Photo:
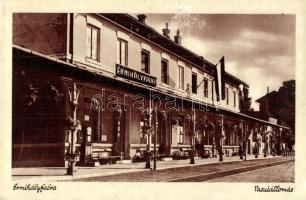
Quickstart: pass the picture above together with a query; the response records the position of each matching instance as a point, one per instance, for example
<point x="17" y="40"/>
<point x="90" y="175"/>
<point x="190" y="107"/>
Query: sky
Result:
<point x="258" y="49"/>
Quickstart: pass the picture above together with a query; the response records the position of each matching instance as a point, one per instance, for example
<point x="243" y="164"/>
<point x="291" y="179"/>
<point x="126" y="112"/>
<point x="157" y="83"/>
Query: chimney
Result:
<point x="166" y="31"/>
<point x="142" y="18"/>
<point x="178" y="38"/>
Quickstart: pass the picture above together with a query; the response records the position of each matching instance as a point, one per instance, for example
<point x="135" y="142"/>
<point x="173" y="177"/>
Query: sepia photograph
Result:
<point x="151" y="100"/>
<point x="153" y="97"/>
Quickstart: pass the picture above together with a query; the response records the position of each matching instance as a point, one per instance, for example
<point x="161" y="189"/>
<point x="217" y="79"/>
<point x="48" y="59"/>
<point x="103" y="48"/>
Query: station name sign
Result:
<point x="136" y="76"/>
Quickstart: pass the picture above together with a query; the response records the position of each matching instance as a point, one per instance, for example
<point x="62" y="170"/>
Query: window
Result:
<point x="118" y="131"/>
<point x="142" y="134"/>
<point x="180" y="130"/>
<point x="164" y="71"/>
<point x="181" y="77"/>
<point x="92" y="42"/>
<point x="194" y="83"/>
<point x="226" y="94"/>
<point x="234" y="94"/>
<point x="205" y="87"/>
<point x="180" y="138"/>
<point x="122" y="52"/>
<point x="145" y="61"/>
<point x="212" y="90"/>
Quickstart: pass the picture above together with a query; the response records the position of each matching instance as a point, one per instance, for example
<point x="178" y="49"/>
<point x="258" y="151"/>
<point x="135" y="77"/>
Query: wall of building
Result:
<point x="230" y="104"/>
<point x="53" y="40"/>
<point x="38" y="122"/>
<point x="42" y="32"/>
<point x="108" y="37"/>
<point x="135" y="128"/>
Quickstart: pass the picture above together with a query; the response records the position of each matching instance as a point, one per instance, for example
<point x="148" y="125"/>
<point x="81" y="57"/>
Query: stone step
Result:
<point x="167" y="159"/>
<point x="93" y="163"/>
<point x="124" y="162"/>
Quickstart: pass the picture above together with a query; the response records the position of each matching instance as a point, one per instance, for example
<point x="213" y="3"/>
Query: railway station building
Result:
<point x="114" y="69"/>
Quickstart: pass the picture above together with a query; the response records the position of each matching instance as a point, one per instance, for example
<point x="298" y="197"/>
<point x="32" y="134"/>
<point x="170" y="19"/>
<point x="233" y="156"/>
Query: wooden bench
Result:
<point x="105" y="159"/>
<point x="114" y="159"/>
<point x="178" y="155"/>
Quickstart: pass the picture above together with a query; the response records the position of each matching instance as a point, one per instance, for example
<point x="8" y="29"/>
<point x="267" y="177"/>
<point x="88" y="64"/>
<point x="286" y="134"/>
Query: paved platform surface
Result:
<point x="276" y="174"/>
<point x="198" y="173"/>
<point x="58" y="173"/>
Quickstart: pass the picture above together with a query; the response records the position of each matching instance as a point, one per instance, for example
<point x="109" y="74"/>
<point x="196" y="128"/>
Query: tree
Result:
<point x="245" y="100"/>
<point x="282" y="105"/>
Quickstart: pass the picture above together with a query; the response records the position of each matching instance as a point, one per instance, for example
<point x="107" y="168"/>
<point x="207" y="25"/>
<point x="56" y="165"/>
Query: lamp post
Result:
<point x="164" y="116"/>
<point x="75" y="126"/>
<point x="245" y="141"/>
<point x="264" y="139"/>
<point x="155" y="140"/>
<point x="218" y="137"/>
<point x="192" y="152"/>
<point x="241" y="150"/>
<point x="240" y="133"/>
<point x="149" y="130"/>
<point x="242" y="142"/>
<point x="255" y="131"/>
<point x="222" y="137"/>
<point x="214" y="141"/>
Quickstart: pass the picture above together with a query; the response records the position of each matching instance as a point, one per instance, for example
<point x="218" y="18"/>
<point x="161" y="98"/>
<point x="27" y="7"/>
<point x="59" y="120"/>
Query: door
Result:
<point x="119" y="132"/>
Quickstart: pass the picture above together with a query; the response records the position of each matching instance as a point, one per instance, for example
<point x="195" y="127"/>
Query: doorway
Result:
<point x="119" y="132"/>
